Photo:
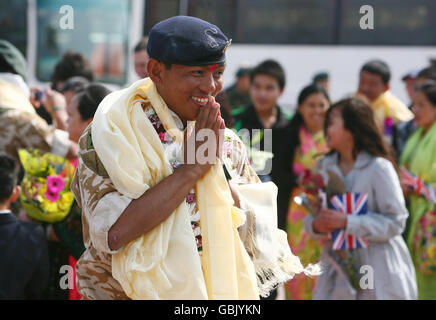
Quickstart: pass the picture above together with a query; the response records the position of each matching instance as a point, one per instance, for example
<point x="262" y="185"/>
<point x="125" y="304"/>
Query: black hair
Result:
<point x="75" y="84"/>
<point x="320" y="76"/>
<point x="89" y="99"/>
<point x="379" y="68"/>
<point x="9" y="176"/>
<point x="428" y="88"/>
<point x="359" y="120"/>
<point x="310" y="89"/>
<point x="428" y="73"/>
<point x="141" y="45"/>
<point x="297" y="120"/>
<point x="72" y="64"/>
<point x="270" y="68"/>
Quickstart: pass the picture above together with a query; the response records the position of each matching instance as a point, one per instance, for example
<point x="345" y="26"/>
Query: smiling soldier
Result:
<point x="155" y="226"/>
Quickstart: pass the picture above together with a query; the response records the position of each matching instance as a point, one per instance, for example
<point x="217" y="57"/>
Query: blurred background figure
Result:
<point x="404" y="130"/>
<point x="66" y="243"/>
<point x="239" y="93"/>
<point x="374" y="88"/>
<point x="305" y="146"/>
<point x="409" y="83"/>
<point x="82" y="108"/>
<point x="419" y="157"/>
<point x="267" y="81"/>
<point x="323" y="79"/>
<point x="140" y="58"/>
<point x="267" y="84"/>
<point x="24" y="265"/>
<point x="21" y="126"/>
<point x="71" y="64"/>
<point x="72" y="86"/>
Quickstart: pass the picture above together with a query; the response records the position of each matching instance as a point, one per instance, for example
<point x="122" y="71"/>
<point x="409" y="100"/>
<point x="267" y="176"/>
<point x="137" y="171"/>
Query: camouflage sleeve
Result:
<point x="236" y="160"/>
<point x="95" y="193"/>
<point x="60" y="142"/>
<point x="26" y="130"/>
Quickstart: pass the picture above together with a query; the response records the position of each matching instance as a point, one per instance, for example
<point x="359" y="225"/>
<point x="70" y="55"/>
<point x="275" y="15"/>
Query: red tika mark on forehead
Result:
<point x="213" y="67"/>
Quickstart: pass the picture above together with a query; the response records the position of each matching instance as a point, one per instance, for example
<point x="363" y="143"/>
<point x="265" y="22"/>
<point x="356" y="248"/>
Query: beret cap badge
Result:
<point x="227" y="45"/>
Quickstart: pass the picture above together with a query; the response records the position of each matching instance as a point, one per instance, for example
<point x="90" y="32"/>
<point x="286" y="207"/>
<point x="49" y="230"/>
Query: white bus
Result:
<point x="305" y="36"/>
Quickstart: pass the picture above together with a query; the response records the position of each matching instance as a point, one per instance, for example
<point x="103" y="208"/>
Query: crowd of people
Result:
<point x="127" y="184"/>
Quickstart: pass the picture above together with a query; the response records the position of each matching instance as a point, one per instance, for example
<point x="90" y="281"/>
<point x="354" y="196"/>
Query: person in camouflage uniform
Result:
<point x="20" y="125"/>
<point x="110" y="219"/>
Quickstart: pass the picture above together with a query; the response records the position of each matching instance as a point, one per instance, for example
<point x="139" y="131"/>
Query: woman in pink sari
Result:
<point x="307" y="145"/>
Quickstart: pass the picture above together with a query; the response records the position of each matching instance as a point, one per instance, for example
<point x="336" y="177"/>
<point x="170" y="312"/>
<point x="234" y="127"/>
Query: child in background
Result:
<point x="24" y="266"/>
<point x="360" y="158"/>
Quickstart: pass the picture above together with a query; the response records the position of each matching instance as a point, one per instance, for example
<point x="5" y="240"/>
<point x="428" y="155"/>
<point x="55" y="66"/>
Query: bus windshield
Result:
<point x="99" y="31"/>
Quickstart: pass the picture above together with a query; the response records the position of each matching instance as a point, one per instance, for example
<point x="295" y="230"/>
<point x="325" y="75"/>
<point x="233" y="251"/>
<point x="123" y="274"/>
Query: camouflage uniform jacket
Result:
<point x="20" y="129"/>
<point x="102" y="205"/>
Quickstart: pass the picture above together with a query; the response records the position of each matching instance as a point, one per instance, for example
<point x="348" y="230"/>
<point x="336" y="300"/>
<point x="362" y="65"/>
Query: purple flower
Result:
<point x="389" y="126"/>
<point x="176" y="164"/>
<point x="190" y="198"/>
<point x="55" y="184"/>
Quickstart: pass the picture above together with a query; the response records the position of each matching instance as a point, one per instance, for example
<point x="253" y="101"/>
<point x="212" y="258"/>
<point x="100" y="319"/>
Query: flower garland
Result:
<point x="190" y="199"/>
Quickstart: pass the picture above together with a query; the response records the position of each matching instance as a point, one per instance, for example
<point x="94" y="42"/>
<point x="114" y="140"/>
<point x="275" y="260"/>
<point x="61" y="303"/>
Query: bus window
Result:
<point x="221" y="13"/>
<point x="100" y="32"/>
<point x="13" y="23"/>
<point x="285" y="22"/>
<point x="158" y="10"/>
<point x="395" y="23"/>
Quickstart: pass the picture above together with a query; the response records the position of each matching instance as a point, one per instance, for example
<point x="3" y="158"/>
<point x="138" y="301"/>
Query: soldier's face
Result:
<point x="185" y="89"/>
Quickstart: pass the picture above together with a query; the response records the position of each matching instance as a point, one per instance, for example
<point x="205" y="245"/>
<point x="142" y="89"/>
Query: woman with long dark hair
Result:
<point x="306" y="146"/>
<point x="419" y="157"/>
<point x="382" y="268"/>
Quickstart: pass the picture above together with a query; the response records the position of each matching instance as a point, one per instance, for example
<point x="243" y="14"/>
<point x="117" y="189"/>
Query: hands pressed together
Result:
<point x="209" y="118"/>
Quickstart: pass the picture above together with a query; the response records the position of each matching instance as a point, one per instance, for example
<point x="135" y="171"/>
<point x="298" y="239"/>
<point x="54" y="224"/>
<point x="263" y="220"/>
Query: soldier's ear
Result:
<point x="155" y="70"/>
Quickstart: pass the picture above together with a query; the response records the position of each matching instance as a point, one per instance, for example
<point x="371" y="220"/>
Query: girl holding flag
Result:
<point x="370" y="259"/>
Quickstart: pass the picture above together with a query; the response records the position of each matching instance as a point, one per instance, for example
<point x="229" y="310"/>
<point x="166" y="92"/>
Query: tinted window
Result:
<point x="13" y="23"/>
<point x="100" y="33"/>
<point x="158" y="10"/>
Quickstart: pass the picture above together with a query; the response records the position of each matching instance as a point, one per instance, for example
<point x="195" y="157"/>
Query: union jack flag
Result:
<point x="353" y="204"/>
<point x="416" y="183"/>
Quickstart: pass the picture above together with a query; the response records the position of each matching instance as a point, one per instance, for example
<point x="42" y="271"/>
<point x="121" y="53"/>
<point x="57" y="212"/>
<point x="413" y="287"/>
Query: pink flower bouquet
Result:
<point x="45" y="189"/>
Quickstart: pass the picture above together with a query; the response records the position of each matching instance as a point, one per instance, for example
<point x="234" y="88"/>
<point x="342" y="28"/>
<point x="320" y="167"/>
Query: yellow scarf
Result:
<point x="387" y="105"/>
<point x="164" y="263"/>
